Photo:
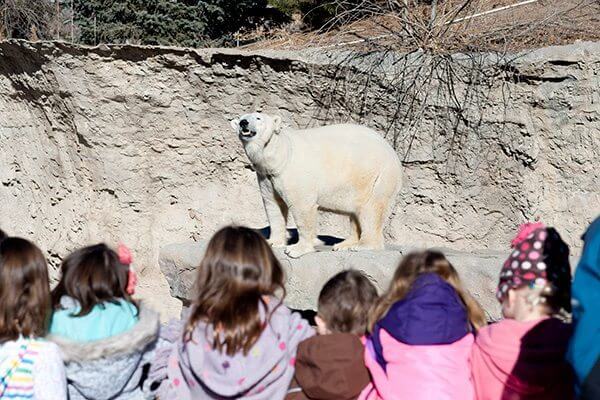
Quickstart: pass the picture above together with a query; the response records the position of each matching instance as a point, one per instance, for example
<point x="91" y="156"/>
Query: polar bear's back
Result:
<point x="344" y="132"/>
<point x="349" y="139"/>
<point x="348" y="164"/>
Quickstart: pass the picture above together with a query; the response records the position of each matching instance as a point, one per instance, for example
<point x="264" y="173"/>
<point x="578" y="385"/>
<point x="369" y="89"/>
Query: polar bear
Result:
<point x="346" y="168"/>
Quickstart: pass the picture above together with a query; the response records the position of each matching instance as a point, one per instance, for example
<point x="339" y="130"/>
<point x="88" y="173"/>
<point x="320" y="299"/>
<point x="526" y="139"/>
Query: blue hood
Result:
<point x="431" y="313"/>
<point x="584" y="349"/>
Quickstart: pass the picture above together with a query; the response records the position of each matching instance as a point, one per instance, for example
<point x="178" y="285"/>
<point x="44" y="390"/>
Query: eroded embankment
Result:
<point x="133" y="144"/>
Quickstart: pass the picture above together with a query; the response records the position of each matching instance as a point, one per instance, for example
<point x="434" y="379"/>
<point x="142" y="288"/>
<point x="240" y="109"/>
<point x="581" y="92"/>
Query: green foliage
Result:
<point x="318" y="13"/>
<point x="191" y="23"/>
<point x="288" y="7"/>
<point x="163" y="22"/>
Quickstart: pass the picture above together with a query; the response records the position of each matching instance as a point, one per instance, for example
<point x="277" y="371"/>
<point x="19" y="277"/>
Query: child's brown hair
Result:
<point x="24" y="290"/>
<point x="92" y="275"/>
<point x="407" y="272"/>
<point x="237" y="271"/>
<point x="345" y="301"/>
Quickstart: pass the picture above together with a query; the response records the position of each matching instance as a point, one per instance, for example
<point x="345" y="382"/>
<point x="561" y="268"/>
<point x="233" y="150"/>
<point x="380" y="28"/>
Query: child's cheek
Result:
<point x="506" y="310"/>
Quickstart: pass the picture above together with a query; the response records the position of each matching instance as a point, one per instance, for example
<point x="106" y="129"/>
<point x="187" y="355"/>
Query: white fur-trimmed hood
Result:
<point x="133" y="341"/>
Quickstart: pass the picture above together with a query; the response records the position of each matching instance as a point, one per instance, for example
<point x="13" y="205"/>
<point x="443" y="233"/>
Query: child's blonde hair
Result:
<point x="411" y="266"/>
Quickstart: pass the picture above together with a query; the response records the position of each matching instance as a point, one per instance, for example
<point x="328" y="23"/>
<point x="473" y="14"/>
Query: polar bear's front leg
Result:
<point x="306" y="222"/>
<point x="276" y="211"/>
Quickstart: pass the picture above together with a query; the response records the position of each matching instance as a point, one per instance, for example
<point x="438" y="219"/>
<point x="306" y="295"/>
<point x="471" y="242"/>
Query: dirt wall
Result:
<point x="133" y="144"/>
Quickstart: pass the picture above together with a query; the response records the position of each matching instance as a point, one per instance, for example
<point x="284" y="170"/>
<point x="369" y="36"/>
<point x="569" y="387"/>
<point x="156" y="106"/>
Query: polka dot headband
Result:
<point x="539" y="257"/>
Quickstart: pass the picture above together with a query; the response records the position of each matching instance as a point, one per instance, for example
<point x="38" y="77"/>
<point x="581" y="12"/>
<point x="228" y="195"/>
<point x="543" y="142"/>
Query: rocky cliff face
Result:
<point x="133" y="144"/>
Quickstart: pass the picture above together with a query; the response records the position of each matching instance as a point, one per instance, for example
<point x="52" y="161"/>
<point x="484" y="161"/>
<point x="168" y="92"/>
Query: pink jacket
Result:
<point x="421" y="372"/>
<point x="522" y="360"/>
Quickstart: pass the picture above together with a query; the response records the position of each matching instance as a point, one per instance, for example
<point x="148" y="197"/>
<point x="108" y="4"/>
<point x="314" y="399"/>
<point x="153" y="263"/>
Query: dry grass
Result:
<point x="544" y="23"/>
<point x="399" y="59"/>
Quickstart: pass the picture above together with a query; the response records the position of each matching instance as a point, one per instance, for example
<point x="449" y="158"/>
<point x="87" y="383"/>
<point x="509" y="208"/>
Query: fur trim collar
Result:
<point x="132" y="341"/>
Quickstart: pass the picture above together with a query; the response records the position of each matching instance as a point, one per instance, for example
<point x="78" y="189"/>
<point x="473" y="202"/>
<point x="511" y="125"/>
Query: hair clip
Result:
<point x="131" y="282"/>
<point x="126" y="258"/>
<point x="124" y="253"/>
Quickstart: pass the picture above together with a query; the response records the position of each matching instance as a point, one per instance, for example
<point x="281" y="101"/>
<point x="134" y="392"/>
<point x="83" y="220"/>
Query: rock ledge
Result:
<point x="306" y="275"/>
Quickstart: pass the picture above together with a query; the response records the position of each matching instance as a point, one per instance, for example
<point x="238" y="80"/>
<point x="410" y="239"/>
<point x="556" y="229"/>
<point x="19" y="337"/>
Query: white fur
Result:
<point x="346" y="169"/>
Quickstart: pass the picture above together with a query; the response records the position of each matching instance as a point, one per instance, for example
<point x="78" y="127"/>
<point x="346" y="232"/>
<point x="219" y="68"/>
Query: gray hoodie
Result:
<point x="111" y="368"/>
<point x="197" y="371"/>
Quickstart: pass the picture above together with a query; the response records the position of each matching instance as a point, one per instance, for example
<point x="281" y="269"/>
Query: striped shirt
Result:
<point x="31" y="369"/>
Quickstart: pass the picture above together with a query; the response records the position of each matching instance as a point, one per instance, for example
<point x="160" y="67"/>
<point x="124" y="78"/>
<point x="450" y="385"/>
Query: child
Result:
<point x="3" y="235"/>
<point x="331" y="365"/>
<point x="30" y="367"/>
<point x="104" y="336"/>
<point x="240" y="340"/>
<point x="522" y="356"/>
<point x="584" y="349"/>
<point x="421" y="333"/>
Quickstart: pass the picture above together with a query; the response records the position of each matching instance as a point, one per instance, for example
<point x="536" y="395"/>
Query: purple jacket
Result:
<point x="430" y="314"/>
<point x="197" y="371"/>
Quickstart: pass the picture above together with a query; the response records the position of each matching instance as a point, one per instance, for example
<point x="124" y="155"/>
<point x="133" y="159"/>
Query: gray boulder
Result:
<point x="306" y="275"/>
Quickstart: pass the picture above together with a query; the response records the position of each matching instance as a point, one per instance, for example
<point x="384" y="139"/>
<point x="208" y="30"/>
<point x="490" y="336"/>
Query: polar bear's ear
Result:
<point x="276" y="123"/>
<point x="235" y="124"/>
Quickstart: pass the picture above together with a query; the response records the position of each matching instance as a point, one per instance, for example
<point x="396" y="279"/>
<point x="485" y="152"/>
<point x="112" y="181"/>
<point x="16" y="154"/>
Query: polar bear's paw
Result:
<point x="298" y="250"/>
<point x="365" y="247"/>
<point x="318" y="242"/>
<point x="347" y="244"/>
<point x="277" y="242"/>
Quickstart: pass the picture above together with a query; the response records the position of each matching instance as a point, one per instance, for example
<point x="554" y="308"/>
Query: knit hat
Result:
<point x="540" y="259"/>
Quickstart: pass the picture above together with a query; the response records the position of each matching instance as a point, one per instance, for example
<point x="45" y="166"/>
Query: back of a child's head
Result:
<point x="24" y="290"/>
<point x="3" y="235"/>
<point x="92" y="275"/>
<point x="238" y="273"/>
<point x="411" y="267"/>
<point x="538" y="268"/>
<point x="345" y="301"/>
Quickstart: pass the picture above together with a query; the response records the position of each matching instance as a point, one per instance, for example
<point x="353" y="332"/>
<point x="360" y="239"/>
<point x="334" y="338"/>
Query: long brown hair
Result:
<point x="92" y="275"/>
<point x="407" y="272"/>
<point x="24" y="290"/>
<point x="237" y="270"/>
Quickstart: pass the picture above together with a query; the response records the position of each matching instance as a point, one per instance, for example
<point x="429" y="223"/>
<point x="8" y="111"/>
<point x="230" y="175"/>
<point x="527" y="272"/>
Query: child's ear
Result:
<point x="235" y="124"/>
<point x="509" y="304"/>
<point x="321" y="326"/>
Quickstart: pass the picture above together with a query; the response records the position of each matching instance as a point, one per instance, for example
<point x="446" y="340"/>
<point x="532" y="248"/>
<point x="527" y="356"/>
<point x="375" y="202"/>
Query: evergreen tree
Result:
<point x="190" y="23"/>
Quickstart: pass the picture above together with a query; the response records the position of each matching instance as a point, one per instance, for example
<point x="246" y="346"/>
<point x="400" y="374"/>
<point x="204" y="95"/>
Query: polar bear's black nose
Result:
<point x="244" y="124"/>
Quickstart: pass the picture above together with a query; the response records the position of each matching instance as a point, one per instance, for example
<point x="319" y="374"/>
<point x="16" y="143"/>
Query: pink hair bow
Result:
<point x="126" y="258"/>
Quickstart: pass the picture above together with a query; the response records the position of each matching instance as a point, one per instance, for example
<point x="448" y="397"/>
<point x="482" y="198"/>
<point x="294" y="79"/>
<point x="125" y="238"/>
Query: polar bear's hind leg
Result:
<point x="370" y="220"/>
<point x="374" y="212"/>
<point x="353" y="240"/>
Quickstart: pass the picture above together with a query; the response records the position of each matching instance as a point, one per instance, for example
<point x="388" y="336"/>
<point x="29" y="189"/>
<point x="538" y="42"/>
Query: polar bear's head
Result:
<point x="256" y="127"/>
